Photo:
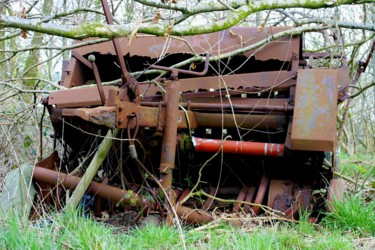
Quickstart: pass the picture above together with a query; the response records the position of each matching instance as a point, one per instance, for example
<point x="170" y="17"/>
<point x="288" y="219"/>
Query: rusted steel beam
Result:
<point x="113" y="194"/>
<point x="236" y="105"/>
<point x="260" y="194"/>
<point x="242" y="83"/>
<point x="241" y="197"/>
<point x="216" y="43"/>
<point x="212" y="120"/>
<point x="120" y="57"/>
<point x="102" y="115"/>
<point x="149" y="117"/>
<point x="97" y="78"/>
<point x="168" y="151"/>
<point x="249" y="198"/>
<point x="82" y="97"/>
<point x="238" y="147"/>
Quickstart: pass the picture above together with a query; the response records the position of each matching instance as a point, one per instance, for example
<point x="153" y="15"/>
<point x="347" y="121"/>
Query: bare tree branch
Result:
<point x="233" y="18"/>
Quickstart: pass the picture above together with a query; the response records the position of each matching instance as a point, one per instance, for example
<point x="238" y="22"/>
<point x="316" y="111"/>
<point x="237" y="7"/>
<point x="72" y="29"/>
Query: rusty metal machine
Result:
<point x="203" y="122"/>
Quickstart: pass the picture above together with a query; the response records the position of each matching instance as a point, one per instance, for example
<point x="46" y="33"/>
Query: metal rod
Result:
<point x="168" y="153"/>
<point x="225" y="106"/>
<point x="125" y="74"/>
<point x="97" y="78"/>
<point x="260" y="194"/>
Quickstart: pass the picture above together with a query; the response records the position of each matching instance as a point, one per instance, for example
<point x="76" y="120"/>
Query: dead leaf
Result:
<point x="169" y="29"/>
<point x="133" y="35"/>
<point x="24" y="34"/>
<point x="193" y="66"/>
<point x="157" y="17"/>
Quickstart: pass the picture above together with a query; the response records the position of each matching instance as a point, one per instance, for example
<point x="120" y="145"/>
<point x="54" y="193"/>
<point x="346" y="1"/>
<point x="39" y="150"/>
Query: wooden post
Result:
<point x="91" y="171"/>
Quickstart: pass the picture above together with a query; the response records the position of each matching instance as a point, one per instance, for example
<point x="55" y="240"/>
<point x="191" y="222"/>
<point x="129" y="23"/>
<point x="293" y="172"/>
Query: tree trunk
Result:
<point x="33" y="58"/>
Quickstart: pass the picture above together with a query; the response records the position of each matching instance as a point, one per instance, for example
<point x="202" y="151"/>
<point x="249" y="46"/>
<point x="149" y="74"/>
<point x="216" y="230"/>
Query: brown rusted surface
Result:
<point x="77" y="98"/>
<point x="208" y="203"/>
<point x="235" y="84"/>
<point x="46" y="189"/>
<point x="113" y="194"/>
<point x="193" y="216"/>
<point x="153" y="117"/>
<point x="217" y="43"/>
<point x="249" y="198"/>
<point x="168" y="149"/>
<point x="241" y="197"/>
<point x="280" y="196"/>
<point x="288" y="197"/>
<point x="99" y="115"/>
<point x="266" y="115"/>
<point x="261" y="192"/>
<point x="335" y="193"/>
<point x="314" y="119"/>
<point x="235" y="103"/>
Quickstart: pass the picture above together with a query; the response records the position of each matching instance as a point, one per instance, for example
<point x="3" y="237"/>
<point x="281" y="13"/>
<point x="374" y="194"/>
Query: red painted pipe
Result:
<point x="238" y="147"/>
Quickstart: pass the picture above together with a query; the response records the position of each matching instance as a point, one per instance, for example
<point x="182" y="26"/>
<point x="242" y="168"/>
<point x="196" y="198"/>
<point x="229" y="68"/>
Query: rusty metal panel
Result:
<point x="216" y="43"/>
<point x="82" y="97"/>
<point x="314" y="119"/>
<point x="249" y="82"/>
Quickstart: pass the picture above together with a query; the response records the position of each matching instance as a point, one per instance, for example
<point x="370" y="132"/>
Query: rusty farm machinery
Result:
<point x="238" y="120"/>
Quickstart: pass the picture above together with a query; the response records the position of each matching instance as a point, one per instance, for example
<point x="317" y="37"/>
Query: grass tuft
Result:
<point x="353" y="215"/>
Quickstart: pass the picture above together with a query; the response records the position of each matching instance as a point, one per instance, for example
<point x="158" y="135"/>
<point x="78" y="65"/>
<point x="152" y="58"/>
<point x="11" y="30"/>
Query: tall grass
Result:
<point x="70" y="231"/>
<point x="353" y="214"/>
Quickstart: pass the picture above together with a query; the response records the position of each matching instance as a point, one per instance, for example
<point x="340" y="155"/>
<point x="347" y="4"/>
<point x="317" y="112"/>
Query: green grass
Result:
<point x="67" y="231"/>
<point x="353" y="215"/>
<point x="358" y="167"/>
<point x="350" y="222"/>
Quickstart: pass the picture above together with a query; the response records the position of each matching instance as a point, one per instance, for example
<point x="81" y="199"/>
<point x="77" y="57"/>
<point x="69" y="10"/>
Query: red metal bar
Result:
<point x="238" y="147"/>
